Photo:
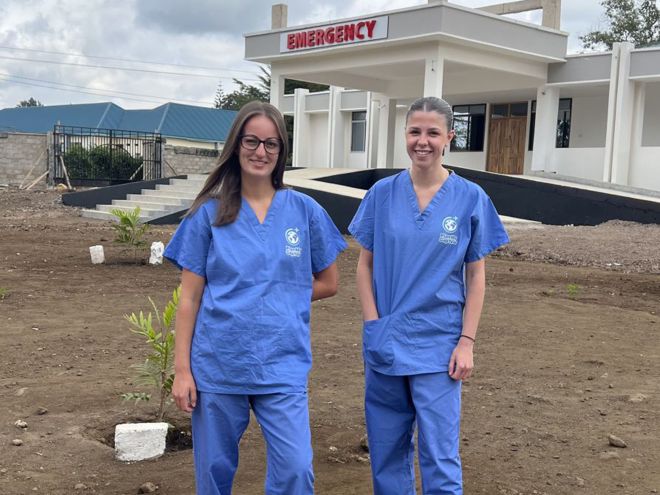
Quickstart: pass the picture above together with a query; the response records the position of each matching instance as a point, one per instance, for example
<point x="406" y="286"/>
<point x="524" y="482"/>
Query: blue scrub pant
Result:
<point x="218" y="422"/>
<point x="393" y="405"/>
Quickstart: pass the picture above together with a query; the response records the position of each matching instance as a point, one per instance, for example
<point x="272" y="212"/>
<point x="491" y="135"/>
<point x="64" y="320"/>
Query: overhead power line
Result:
<point x="165" y="64"/>
<point x="142" y="100"/>
<point x="102" y="91"/>
<point x="131" y="69"/>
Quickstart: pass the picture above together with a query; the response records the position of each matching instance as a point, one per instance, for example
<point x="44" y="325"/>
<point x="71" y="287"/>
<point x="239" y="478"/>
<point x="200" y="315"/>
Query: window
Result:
<point x="358" y="131"/>
<point x="506" y="110"/>
<point x="470" y="127"/>
<point x="563" y="124"/>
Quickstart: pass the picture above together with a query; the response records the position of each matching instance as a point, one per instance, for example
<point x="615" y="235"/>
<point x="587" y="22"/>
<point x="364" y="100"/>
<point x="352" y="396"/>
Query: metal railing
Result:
<point x="91" y="156"/>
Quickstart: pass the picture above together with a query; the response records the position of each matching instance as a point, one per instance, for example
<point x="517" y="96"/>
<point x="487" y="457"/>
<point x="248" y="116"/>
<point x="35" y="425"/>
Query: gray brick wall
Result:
<point x="18" y="153"/>
<point x="185" y="160"/>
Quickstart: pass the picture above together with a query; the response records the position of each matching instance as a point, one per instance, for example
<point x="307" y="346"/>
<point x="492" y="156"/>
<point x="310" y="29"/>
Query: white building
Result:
<point x="522" y="105"/>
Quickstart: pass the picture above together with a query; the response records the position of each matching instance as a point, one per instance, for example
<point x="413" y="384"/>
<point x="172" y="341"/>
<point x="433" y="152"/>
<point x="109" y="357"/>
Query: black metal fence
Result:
<point x="96" y="157"/>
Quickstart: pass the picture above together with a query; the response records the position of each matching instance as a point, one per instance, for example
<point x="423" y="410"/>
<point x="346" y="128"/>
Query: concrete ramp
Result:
<point x="520" y="200"/>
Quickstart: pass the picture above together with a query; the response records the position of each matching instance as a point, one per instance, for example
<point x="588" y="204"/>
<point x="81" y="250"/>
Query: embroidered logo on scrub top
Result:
<point x="292" y="241"/>
<point x="450" y="225"/>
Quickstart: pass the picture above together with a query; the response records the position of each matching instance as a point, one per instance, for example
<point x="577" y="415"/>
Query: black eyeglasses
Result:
<point x="271" y="145"/>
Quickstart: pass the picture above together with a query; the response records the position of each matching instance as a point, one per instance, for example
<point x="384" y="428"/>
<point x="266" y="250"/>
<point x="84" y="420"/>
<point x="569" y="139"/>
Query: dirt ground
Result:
<point x="568" y="352"/>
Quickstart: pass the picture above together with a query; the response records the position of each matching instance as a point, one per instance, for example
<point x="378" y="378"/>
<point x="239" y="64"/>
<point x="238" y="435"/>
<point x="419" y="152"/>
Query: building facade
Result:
<point x="522" y="105"/>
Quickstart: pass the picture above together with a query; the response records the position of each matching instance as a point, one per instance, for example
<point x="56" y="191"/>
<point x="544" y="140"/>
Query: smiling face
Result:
<point x="258" y="163"/>
<point x="426" y="138"/>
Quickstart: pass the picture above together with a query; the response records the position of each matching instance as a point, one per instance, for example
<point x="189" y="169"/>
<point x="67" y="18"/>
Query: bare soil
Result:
<point x="568" y="353"/>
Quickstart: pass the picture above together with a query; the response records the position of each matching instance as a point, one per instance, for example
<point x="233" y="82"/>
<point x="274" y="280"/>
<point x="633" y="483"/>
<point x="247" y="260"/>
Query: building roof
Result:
<point x="170" y="120"/>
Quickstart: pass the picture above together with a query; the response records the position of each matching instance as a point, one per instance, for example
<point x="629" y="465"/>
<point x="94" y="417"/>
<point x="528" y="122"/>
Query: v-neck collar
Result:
<point x="421" y="216"/>
<point x="262" y="228"/>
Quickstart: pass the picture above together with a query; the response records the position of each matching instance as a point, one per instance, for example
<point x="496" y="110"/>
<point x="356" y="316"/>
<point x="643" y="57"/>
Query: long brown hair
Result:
<point x="224" y="182"/>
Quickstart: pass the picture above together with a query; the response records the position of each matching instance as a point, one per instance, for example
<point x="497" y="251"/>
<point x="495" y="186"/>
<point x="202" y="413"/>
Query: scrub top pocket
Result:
<point x="377" y="342"/>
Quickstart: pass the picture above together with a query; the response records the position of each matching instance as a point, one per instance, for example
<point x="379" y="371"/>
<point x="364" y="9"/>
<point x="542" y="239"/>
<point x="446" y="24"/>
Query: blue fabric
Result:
<point x="252" y="330"/>
<point x="418" y="274"/>
<point x="393" y="406"/>
<point x="218" y="422"/>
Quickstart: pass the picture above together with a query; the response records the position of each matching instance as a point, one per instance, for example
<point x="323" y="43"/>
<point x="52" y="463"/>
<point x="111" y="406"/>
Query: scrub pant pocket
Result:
<point x="219" y="421"/>
<point x="394" y="405"/>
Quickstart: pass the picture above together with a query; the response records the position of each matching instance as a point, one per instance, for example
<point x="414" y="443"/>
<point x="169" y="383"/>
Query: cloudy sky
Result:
<point x="143" y="53"/>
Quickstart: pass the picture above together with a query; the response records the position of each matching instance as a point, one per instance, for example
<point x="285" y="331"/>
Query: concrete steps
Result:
<point x="166" y="199"/>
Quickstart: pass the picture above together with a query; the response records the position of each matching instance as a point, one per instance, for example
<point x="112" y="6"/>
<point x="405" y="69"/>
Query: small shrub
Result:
<point x="4" y="293"/>
<point x="158" y="369"/>
<point x="130" y="232"/>
<point x="573" y="290"/>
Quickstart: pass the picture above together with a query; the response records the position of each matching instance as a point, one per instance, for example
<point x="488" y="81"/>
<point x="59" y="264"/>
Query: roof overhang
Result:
<point x="441" y="22"/>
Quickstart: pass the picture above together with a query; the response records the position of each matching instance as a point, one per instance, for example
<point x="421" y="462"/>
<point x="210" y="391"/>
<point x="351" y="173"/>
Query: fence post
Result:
<point x="50" y="157"/>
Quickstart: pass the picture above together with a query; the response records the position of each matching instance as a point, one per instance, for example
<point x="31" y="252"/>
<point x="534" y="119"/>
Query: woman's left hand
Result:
<point x="461" y="362"/>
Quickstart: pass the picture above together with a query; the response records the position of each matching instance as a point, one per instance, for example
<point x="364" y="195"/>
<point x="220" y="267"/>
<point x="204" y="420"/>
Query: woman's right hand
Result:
<point x="184" y="391"/>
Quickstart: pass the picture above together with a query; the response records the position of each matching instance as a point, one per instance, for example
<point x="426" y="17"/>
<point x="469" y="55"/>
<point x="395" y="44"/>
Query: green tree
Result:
<point x="636" y="21"/>
<point x="244" y="94"/>
<point x="261" y="91"/>
<point x="239" y="97"/>
<point x="29" y="103"/>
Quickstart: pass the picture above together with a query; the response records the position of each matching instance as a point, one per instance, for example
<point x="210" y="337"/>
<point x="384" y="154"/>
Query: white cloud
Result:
<point x="199" y="33"/>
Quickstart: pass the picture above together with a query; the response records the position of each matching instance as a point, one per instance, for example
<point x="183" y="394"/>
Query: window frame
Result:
<point x="566" y="136"/>
<point x="473" y="109"/>
<point x="357" y="122"/>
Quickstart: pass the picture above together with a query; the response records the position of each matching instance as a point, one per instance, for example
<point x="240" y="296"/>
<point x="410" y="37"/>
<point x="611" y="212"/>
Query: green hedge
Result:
<point x="100" y="163"/>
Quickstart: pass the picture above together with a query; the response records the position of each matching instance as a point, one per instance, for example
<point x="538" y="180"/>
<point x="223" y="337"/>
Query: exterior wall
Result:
<point x="207" y="145"/>
<point x="581" y="68"/>
<point x="356" y="159"/>
<point x="475" y="160"/>
<point x="651" y="133"/>
<point x="645" y="168"/>
<point x="318" y="140"/>
<point x="401" y="158"/>
<point x="588" y="121"/>
<point x="583" y="163"/>
<point x="352" y="159"/>
<point x="179" y="160"/>
<point x="18" y="154"/>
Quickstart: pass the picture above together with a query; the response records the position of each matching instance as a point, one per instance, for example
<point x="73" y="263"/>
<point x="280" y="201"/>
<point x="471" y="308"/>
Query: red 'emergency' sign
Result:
<point x="336" y="34"/>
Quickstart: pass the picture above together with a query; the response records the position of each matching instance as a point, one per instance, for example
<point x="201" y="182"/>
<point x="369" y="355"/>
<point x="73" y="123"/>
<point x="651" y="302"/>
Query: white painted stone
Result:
<point x="96" y="252"/>
<point x="156" y="257"/>
<point x="140" y="441"/>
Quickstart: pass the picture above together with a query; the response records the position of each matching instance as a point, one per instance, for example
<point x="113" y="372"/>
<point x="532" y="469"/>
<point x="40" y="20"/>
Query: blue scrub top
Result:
<point x="252" y="329"/>
<point x="418" y="268"/>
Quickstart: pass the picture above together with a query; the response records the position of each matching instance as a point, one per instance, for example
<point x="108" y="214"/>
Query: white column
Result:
<point x="434" y="69"/>
<point x="623" y="123"/>
<point x="276" y="87"/>
<point x="638" y="121"/>
<point x="611" y="114"/>
<point x="301" y="140"/>
<point x="372" y="131"/>
<point x="279" y="14"/>
<point x="386" y="126"/>
<point x="545" y="128"/>
<point x="335" y="129"/>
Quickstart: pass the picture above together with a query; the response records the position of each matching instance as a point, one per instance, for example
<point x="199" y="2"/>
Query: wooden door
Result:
<point x="506" y="145"/>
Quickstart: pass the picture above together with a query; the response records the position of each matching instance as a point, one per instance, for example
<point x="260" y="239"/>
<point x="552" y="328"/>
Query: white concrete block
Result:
<point x="96" y="252"/>
<point x="157" y="249"/>
<point x="140" y="441"/>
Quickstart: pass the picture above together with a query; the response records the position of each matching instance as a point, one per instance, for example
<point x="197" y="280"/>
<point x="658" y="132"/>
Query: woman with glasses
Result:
<point x="425" y="233"/>
<point x="253" y="256"/>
